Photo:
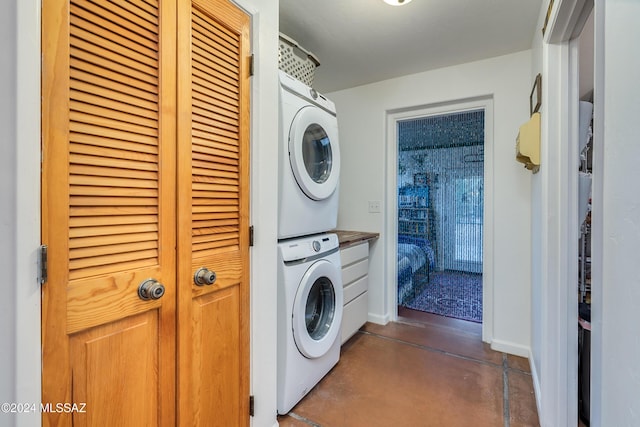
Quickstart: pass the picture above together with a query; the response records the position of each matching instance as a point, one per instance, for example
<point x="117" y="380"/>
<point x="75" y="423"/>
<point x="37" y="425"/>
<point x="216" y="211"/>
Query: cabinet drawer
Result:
<point x="354" y="316"/>
<point x="354" y="271"/>
<point x="354" y="289"/>
<point x="352" y="254"/>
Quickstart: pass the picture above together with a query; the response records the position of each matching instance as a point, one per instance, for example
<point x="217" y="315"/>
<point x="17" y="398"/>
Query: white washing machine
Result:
<point x="309" y="314"/>
<point x="309" y="161"/>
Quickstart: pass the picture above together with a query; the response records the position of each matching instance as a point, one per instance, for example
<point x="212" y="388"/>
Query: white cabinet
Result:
<point x="355" y="280"/>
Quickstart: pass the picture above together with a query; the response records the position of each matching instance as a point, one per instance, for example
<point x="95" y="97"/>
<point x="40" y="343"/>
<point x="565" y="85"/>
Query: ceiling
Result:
<point x="365" y="41"/>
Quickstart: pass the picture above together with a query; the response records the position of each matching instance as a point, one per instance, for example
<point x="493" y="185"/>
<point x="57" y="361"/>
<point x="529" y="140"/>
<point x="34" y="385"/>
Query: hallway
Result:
<point x="411" y="373"/>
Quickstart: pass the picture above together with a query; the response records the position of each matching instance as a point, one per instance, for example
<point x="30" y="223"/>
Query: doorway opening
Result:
<point x="440" y="214"/>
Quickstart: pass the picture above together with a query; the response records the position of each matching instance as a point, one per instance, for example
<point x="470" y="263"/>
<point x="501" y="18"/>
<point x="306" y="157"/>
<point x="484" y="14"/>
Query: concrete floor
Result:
<point x="435" y="372"/>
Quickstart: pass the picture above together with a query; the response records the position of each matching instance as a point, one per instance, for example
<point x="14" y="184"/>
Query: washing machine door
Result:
<point x="314" y="153"/>
<point x="317" y="309"/>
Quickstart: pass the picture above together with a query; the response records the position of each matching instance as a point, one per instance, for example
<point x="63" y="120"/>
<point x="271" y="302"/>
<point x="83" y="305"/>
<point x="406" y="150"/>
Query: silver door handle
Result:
<point x="150" y="289"/>
<point x="204" y="276"/>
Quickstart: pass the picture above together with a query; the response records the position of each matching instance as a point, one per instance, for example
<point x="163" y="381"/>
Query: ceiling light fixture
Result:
<point x="397" y="2"/>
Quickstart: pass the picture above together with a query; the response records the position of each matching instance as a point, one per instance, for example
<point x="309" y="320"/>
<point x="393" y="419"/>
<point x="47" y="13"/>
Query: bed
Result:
<point x="415" y="260"/>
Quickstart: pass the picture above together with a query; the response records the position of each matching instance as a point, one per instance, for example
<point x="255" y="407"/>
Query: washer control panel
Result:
<point x="304" y="247"/>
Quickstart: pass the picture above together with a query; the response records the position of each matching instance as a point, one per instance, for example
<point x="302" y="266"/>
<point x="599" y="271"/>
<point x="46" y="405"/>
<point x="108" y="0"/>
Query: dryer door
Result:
<point x="314" y="153"/>
<point x="317" y="309"/>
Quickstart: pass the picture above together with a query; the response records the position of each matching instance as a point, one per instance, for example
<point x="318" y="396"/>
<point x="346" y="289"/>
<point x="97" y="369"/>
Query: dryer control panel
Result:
<point x="306" y="247"/>
<point x="300" y="89"/>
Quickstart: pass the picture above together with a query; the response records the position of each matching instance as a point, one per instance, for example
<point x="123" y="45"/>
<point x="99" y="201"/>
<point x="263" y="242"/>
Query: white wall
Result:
<point x="7" y="203"/>
<point x="536" y="226"/>
<point x="616" y="340"/>
<point x="264" y="208"/>
<point x="20" y="208"/>
<point x="362" y="123"/>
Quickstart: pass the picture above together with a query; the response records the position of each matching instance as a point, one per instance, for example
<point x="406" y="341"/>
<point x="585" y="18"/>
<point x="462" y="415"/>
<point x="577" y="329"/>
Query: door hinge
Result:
<point x="251" y="406"/>
<point x="251" y="60"/>
<point x="42" y="264"/>
<point x="251" y="235"/>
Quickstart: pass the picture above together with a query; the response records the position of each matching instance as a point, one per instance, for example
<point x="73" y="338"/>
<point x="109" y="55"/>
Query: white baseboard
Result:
<point x="510" y="348"/>
<point x="380" y="320"/>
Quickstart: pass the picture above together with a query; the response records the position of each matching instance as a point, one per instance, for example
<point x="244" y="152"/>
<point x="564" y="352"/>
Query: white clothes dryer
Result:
<point x="309" y="314"/>
<point x="309" y="161"/>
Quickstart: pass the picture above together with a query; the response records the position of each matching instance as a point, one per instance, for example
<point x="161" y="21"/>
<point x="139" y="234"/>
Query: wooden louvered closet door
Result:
<point x="213" y="206"/>
<point x="127" y="196"/>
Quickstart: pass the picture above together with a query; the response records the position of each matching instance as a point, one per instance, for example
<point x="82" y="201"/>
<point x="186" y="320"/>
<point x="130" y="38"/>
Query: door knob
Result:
<point x="204" y="276"/>
<point x="150" y="289"/>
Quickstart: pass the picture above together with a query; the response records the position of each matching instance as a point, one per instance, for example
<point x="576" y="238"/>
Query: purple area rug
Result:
<point x="451" y="294"/>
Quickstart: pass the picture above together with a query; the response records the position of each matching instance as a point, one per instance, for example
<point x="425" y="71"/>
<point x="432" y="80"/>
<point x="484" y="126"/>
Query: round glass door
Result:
<point x="316" y="153"/>
<point x="313" y="152"/>
<point x="317" y="309"/>
<point x="320" y="308"/>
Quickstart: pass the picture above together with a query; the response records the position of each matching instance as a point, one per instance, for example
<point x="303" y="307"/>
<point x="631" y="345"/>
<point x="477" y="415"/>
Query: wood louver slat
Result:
<point x="113" y="138"/>
<point x="112" y="55"/>
<point x="130" y="89"/>
<point x="90" y="211"/>
<point x="223" y="35"/>
<point x="223" y="148"/>
<point x="92" y="221"/>
<point x="105" y="123"/>
<point x="114" y="12"/>
<point x="97" y="241"/>
<point x="217" y="113"/>
<point x="114" y="23"/>
<point x="215" y="136"/>
<point x="135" y="148"/>
<point x="92" y="170"/>
<point x="86" y="60"/>
<point x="144" y="47"/>
<point x="139" y="80"/>
<point x="207" y="58"/>
<point x="218" y="130"/>
<point x="227" y="99"/>
<point x="223" y="169"/>
<point x="202" y="80"/>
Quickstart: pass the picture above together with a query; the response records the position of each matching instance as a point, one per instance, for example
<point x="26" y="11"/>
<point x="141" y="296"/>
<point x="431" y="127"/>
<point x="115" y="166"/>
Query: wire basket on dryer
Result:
<point x="296" y="61"/>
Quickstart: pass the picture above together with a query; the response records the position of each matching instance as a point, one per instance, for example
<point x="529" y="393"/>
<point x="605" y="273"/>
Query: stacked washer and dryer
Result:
<point x="309" y="268"/>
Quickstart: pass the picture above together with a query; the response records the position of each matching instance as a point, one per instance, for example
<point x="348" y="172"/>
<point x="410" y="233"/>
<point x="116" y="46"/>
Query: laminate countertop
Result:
<point x="348" y="238"/>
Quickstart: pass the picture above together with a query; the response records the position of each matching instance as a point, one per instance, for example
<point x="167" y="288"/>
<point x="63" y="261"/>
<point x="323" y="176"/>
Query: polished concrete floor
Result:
<point x="429" y="373"/>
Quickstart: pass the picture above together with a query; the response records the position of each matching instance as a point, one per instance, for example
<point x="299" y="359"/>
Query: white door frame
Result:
<point x="557" y="385"/>
<point x="391" y="223"/>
